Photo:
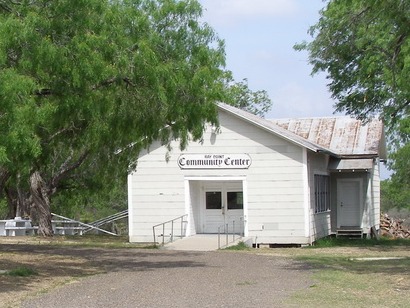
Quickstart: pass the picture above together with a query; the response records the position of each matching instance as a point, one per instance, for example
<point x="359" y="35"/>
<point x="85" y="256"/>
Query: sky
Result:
<point x="259" y="38"/>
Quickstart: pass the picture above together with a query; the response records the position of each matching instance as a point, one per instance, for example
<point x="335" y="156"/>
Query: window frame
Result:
<point x="322" y="191"/>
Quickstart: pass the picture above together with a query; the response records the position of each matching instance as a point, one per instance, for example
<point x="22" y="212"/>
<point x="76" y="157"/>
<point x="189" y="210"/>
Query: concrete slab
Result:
<point x="202" y="242"/>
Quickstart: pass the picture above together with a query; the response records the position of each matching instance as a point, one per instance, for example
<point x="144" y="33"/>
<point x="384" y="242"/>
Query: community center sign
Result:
<point x="214" y="161"/>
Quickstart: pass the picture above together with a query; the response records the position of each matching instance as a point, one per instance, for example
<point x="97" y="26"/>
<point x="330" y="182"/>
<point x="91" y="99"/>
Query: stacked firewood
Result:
<point x="393" y="228"/>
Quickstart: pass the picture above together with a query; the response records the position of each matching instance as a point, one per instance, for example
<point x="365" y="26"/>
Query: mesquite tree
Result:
<point x="85" y="84"/>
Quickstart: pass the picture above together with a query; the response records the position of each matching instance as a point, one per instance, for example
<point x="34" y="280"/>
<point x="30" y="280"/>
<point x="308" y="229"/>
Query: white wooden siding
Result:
<point x="275" y="184"/>
<point x="374" y="198"/>
<point x="320" y="223"/>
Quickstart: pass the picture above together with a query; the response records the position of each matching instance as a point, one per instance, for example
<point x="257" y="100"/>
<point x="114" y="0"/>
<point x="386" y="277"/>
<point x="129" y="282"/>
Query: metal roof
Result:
<point x="344" y="136"/>
<point x="273" y="128"/>
<point x="337" y="164"/>
<point x="336" y="136"/>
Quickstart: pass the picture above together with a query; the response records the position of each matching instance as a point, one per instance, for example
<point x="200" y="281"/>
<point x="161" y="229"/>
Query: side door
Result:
<point x="349" y="203"/>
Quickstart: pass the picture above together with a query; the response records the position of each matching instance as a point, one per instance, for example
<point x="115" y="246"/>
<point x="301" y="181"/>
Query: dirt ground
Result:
<point x="231" y="277"/>
<point x="52" y="270"/>
<point x="57" y="263"/>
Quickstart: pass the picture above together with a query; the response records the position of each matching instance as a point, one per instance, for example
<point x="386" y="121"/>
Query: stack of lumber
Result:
<point x="393" y="228"/>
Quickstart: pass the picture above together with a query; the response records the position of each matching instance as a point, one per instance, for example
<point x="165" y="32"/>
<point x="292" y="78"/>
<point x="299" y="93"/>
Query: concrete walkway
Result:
<point x="202" y="242"/>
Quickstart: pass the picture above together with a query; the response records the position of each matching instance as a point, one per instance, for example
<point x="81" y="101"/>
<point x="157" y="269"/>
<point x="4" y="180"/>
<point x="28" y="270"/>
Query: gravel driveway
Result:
<point x="160" y="278"/>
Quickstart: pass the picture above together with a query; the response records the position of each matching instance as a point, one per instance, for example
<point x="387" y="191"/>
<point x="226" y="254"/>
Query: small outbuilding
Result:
<point x="288" y="181"/>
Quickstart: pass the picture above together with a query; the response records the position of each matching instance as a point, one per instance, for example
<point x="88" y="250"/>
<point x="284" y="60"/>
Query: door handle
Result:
<point x="341" y="203"/>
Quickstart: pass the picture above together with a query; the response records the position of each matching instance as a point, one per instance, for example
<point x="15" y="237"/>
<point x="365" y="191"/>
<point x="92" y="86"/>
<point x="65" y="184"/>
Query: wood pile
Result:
<point x="393" y="228"/>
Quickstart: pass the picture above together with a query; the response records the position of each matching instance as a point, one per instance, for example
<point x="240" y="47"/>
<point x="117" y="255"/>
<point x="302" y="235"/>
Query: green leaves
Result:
<point x="239" y="95"/>
<point x="86" y="84"/>
<point x="78" y="86"/>
<point x="363" y="46"/>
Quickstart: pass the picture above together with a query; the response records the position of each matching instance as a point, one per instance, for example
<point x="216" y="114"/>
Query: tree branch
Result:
<point x="4" y="176"/>
<point x="66" y="168"/>
<point x="112" y="80"/>
<point x="43" y="92"/>
<point x="400" y="108"/>
<point x="105" y="83"/>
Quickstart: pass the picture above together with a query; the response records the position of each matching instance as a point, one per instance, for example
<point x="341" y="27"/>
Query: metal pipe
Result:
<point x="233" y="230"/>
<point x="155" y="242"/>
<point x="172" y="228"/>
<point x="219" y="237"/>
<point x="227" y="234"/>
<point x="172" y="231"/>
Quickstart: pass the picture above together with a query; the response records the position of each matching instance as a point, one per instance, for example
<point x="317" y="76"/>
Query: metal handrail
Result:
<point x="83" y="224"/>
<point x="172" y="229"/>
<point x="226" y="232"/>
<point x="106" y="220"/>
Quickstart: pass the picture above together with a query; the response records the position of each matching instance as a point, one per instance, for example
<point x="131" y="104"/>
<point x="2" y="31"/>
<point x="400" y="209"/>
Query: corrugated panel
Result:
<point x="341" y="135"/>
<point x="285" y="133"/>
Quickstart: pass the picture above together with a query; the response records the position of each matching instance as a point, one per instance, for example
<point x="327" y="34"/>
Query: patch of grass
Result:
<point x="359" y="266"/>
<point x="342" y="242"/>
<point x="22" y="271"/>
<point x="88" y="240"/>
<point x="343" y="281"/>
<point x="239" y="246"/>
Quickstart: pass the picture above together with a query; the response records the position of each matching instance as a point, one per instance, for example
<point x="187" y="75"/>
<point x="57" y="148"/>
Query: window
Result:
<point x="213" y="200"/>
<point x="235" y="200"/>
<point x="322" y="193"/>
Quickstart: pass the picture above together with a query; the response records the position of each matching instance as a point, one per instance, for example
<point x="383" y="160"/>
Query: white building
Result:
<point x="282" y="181"/>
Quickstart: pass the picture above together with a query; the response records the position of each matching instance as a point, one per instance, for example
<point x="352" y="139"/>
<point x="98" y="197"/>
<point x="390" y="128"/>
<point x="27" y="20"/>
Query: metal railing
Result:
<point x="171" y="235"/>
<point x="106" y="220"/>
<point x="223" y="230"/>
<point x="81" y="224"/>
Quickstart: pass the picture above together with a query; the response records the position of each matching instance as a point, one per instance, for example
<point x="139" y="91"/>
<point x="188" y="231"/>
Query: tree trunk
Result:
<point x="41" y="201"/>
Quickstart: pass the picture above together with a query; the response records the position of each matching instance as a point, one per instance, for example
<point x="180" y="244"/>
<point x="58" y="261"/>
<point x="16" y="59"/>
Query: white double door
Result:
<point x="222" y="205"/>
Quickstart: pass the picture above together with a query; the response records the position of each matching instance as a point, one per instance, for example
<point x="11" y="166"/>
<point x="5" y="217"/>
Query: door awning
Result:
<point x="338" y="165"/>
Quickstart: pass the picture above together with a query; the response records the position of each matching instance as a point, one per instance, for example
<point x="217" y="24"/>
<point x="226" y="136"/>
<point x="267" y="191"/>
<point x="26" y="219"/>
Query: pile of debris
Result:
<point x="393" y="228"/>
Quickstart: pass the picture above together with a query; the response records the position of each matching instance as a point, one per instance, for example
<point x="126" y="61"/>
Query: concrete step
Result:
<point x="349" y="233"/>
<point x="202" y="242"/>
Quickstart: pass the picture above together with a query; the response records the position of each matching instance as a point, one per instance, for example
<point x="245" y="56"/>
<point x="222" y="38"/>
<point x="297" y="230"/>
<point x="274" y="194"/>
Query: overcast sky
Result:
<point x="259" y="37"/>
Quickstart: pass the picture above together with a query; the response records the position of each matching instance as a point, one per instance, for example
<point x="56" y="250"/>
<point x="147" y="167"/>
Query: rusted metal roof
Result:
<point x="273" y="128"/>
<point x="344" y="136"/>
<point x="337" y="136"/>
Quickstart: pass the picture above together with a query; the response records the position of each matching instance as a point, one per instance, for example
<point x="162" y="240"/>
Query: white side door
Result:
<point x="349" y="203"/>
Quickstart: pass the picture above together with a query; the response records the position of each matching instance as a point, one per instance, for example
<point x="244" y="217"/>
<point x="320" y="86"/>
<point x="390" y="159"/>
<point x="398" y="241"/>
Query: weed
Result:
<point x="341" y="242"/>
<point x="239" y="246"/>
<point x="22" y="271"/>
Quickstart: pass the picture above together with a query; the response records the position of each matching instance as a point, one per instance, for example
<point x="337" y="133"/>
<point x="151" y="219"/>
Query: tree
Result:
<point x="364" y="48"/>
<point x="396" y="191"/>
<point x="79" y="86"/>
<point x="239" y="95"/>
<point x="83" y="90"/>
